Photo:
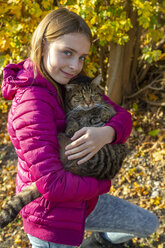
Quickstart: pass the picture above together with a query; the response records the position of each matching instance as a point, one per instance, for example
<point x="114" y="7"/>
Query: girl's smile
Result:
<point x="64" y="57"/>
<point x="67" y="74"/>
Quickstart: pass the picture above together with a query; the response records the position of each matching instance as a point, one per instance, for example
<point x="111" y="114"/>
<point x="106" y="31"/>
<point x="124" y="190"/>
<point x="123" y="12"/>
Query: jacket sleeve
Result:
<point x="121" y="122"/>
<point x="35" y="126"/>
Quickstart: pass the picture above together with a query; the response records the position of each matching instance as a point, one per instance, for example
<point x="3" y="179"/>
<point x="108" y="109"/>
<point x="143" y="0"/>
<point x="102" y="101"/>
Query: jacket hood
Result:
<point x="20" y="75"/>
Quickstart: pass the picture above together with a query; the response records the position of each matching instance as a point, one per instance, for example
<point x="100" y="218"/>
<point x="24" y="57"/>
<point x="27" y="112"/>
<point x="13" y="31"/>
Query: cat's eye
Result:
<point x="77" y="98"/>
<point x="96" y="97"/>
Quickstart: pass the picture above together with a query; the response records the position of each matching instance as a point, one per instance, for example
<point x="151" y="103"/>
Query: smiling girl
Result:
<point x="69" y="203"/>
<point x="69" y="53"/>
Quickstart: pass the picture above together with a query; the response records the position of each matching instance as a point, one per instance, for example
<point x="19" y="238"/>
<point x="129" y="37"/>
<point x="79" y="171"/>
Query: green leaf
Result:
<point x="140" y="129"/>
<point x="153" y="132"/>
<point x="135" y="106"/>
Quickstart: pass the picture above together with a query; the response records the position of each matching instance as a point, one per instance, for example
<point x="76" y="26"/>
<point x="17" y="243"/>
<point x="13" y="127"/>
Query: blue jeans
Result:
<point x="116" y="217"/>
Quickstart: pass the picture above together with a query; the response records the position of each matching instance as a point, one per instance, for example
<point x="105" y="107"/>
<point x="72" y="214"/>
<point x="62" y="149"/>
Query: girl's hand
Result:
<point x="88" y="141"/>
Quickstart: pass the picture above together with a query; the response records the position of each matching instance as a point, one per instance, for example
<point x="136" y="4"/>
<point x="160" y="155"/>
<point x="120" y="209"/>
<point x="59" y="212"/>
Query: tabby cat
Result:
<point x="85" y="106"/>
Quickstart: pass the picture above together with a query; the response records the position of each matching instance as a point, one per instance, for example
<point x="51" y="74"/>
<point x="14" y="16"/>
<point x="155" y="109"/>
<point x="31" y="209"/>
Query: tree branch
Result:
<point x="146" y="87"/>
<point x="161" y="43"/>
<point x="162" y="104"/>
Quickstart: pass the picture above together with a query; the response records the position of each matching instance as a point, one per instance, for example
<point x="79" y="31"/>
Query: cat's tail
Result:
<point x="13" y="206"/>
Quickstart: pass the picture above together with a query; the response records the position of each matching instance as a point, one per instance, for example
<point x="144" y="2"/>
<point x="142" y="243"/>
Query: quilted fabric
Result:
<point x="35" y="119"/>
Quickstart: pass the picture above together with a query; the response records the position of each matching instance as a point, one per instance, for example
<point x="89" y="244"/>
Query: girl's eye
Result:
<point x="82" y="59"/>
<point x="68" y="53"/>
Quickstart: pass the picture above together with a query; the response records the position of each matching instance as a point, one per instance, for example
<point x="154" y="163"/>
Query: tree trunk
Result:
<point x="123" y="62"/>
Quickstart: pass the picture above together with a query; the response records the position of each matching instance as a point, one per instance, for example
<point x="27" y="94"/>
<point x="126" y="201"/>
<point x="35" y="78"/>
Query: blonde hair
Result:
<point x="55" y="24"/>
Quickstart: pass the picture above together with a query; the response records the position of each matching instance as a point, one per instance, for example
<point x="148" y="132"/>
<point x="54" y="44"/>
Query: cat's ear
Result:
<point x="97" y="80"/>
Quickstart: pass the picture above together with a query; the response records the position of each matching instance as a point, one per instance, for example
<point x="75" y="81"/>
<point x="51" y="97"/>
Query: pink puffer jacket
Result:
<point x="35" y="119"/>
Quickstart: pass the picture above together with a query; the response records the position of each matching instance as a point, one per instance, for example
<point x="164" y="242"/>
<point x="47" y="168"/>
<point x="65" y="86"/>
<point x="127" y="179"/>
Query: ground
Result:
<point x="140" y="181"/>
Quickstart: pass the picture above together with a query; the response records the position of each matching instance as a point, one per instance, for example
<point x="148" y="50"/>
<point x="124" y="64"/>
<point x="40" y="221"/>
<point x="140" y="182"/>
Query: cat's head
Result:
<point x="84" y="92"/>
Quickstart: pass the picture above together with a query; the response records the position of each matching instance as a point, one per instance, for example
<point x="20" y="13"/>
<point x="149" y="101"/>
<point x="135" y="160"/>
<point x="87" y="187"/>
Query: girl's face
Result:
<point x="64" y="58"/>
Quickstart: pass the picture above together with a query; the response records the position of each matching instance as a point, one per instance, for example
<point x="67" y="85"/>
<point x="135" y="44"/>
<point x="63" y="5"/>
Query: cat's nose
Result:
<point x="88" y="104"/>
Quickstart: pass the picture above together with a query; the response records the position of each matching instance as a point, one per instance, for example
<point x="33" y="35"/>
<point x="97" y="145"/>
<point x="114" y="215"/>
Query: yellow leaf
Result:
<point x="46" y="4"/>
<point x="4" y="8"/>
<point x="135" y="123"/>
<point x="112" y="189"/>
<point x="161" y="246"/>
<point x="18" y="240"/>
<point x="153" y="97"/>
<point x="11" y="167"/>
<point x="16" y="10"/>
<point x="145" y="192"/>
<point x="106" y="60"/>
<point x="162" y="57"/>
<point x="158" y="155"/>
<point x="156" y="200"/>
<point x="7" y="137"/>
<point x="93" y="20"/>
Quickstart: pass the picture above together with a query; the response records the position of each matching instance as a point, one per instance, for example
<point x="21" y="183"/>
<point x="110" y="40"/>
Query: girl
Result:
<point x="60" y="45"/>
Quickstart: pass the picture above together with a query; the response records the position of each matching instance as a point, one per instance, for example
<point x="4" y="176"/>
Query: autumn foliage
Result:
<point x="108" y="20"/>
<point x="127" y="31"/>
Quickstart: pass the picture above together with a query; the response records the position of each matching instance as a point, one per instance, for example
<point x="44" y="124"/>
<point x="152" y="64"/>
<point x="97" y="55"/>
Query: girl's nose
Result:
<point x="74" y="64"/>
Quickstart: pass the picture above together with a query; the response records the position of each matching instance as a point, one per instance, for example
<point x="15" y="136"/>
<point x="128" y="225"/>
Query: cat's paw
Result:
<point x="69" y="132"/>
<point x="71" y="128"/>
<point x="105" y="116"/>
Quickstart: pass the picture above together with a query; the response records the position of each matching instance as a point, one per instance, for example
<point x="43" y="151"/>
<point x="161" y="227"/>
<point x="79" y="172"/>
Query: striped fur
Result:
<point x="13" y="207"/>
<point x="84" y="107"/>
<point x="90" y="109"/>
